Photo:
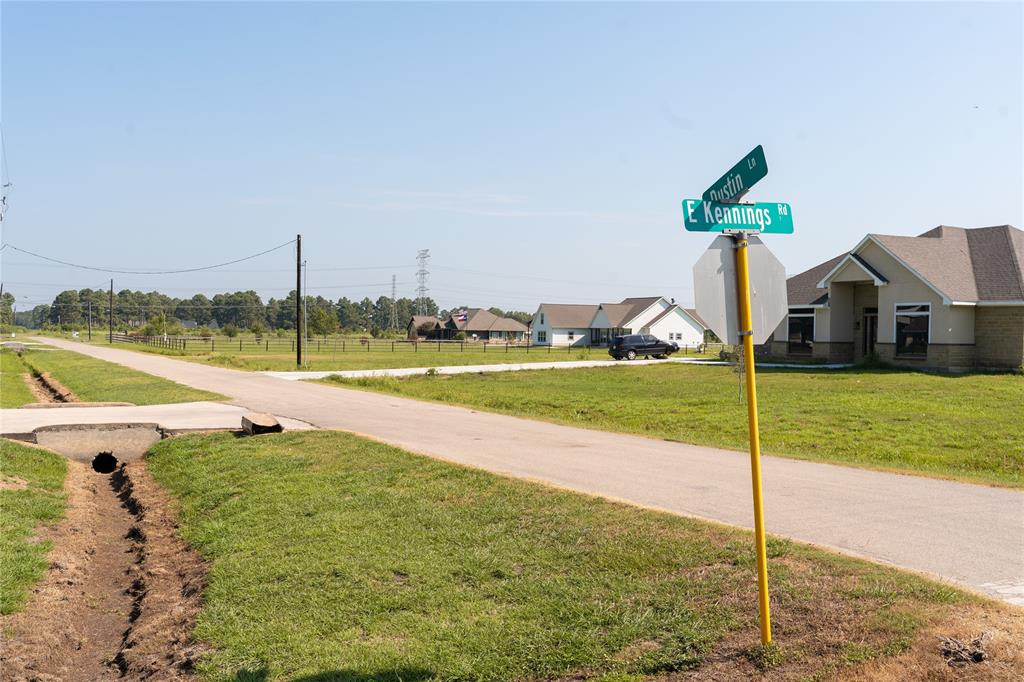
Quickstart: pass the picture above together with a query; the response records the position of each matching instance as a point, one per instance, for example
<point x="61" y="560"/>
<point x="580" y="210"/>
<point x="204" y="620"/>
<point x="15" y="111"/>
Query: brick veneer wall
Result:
<point x="834" y="351"/>
<point x="999" y="336"/>
<point x="950" y="356"/>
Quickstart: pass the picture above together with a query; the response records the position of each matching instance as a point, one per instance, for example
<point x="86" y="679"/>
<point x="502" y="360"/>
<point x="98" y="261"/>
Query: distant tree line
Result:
<point x="158" y="313"/>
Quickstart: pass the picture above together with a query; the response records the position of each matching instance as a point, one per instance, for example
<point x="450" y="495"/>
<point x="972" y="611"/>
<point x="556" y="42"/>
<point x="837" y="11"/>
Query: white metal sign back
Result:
<point x="714" y="290"/>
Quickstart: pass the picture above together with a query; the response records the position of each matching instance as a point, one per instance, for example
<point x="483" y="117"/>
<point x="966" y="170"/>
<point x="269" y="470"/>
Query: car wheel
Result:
<point x="631" y="355"/>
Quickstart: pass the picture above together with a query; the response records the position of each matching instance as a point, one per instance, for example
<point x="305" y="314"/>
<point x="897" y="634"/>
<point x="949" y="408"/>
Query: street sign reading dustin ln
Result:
<point x="731" y="187"/>
<point x="710" y="216"/>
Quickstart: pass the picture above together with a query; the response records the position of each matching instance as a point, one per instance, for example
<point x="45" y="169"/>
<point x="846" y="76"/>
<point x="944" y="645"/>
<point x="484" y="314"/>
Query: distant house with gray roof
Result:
<point x="571" y="324"/>
<point x="476" y="324"/>
<point x="950" y="298"/>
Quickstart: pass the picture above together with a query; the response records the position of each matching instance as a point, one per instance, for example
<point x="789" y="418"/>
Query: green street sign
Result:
<point x="712" y="216"/>
<point x="731" y="187"/>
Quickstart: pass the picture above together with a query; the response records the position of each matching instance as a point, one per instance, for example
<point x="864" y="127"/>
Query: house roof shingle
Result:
<point x="480" y="320"/>
<point x="569" y="314"/>
<point x="617" y="313"/>
<point x="802" y="289"/>
<point x="971" y="265"/>
<point x="419" y="320"/>
<point x="692" y="312"/>
<point x="639" y="304"/>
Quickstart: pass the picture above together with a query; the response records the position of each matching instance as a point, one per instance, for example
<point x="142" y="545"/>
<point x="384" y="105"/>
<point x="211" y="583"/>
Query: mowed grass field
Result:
<point x="14" y="392"/>
<point x="966" y="427"/>
<point x="337" y="558"/>
<point x="31" y="484"/>
<point x="254" y="358"/>
<point x="93" y="380"/>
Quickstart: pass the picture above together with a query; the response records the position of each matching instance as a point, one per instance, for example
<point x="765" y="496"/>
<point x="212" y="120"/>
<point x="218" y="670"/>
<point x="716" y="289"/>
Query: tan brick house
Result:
<point x="951" y="298"/>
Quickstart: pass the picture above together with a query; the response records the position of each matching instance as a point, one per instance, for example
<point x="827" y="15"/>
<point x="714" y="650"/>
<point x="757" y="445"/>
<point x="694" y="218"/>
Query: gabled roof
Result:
<point x="802" y="289"/>
<point x="617" y="313"/>
<point x="419" y="321"/>
<point x="964" y="265"/>
<point x="692" y="312"/>
<point x="639" y="305"/>
<point x="508" y="324"/>
<point x="677" y="308"/>
<point x="569" y="314"/>
<point x="481" y="320"/>
<point x="865" y="267"/>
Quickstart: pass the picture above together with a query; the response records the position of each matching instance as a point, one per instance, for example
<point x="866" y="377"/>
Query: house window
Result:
<point x="542" y="318"/>
<point x="542" y="337"/>
<point x="913" y="322"/>
<point x="801" y="331"/>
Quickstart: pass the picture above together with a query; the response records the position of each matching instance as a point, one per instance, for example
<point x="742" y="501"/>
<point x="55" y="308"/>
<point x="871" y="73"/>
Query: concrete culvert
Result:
<point x="104" y="463"/>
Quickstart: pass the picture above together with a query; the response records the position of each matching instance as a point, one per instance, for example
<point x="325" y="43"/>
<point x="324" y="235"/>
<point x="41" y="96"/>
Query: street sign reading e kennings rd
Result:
<point x="731" y="187"/>
<point x="710" y="216"/>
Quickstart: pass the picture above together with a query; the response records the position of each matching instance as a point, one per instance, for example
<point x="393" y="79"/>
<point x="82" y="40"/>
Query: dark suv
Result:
<point x="640" y="344"/>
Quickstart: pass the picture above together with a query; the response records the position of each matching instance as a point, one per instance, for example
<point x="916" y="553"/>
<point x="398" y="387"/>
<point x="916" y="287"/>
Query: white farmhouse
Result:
<point x="557" y="324"/>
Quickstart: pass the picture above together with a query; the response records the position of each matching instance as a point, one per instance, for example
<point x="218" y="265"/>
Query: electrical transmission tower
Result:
<point x="393" y="322"/>
<point x="422" y="256"/>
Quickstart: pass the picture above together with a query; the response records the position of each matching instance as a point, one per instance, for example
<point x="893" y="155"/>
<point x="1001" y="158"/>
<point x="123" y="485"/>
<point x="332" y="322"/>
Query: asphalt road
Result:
<point x="969" y="534"/>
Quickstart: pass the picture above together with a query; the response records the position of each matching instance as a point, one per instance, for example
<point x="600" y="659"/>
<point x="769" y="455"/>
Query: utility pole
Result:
<point x="393" y="322"/>
<point x="90" y="314"/>
<point x="305" y="309"/>
<point x="298" y="300"/>
<point x="422" y="256"/>
<point x="110" y="314"/>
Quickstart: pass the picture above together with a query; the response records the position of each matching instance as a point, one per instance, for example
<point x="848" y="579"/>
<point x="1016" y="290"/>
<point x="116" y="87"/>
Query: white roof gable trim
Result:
<point x="691" y="317"/>
<point x="628" y="324"/>
<point x="859" y="263"/>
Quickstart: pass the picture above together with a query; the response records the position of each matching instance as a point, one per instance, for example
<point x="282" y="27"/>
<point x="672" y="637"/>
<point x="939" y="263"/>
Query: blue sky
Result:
<point x="540" y="151"/>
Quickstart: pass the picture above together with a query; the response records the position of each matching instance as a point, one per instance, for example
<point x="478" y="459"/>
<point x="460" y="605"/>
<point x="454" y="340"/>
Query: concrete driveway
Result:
<point x="969" y="534"/>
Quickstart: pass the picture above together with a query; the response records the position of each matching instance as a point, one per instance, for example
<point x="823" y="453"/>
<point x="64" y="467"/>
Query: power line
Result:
<point x="145" y="272"/>
<point x="260" y="271"/>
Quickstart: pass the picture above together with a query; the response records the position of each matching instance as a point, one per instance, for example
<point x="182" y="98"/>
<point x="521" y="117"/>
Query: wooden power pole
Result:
<point x="298" y="300"/>
<point x="110" y="315"/>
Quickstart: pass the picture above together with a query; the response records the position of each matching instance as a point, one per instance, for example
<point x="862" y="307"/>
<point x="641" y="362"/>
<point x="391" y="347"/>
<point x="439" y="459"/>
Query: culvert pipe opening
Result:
<point x="104" y="463"/>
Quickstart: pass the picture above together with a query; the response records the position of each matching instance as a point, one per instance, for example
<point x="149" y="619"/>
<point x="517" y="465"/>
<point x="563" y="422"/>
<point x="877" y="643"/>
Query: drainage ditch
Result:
<point x="123" y="591"/>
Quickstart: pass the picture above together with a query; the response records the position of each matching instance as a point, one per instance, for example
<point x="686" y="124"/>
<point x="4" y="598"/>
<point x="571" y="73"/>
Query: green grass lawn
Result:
<point x="14" y="391"/>
<point x="965" y="427"/>
<point x="255" y="359"/>
<point x="31" y="483"/>
<point x="94" y="380"/>
<point x="337" y="558"/>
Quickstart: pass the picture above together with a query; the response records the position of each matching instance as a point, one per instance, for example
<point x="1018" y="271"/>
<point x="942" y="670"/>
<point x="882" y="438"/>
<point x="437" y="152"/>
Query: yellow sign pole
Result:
<point x="746" y="331"/>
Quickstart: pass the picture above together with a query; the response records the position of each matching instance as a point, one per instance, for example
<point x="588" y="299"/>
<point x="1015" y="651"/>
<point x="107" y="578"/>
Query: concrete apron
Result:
<point x="83" y="442"/>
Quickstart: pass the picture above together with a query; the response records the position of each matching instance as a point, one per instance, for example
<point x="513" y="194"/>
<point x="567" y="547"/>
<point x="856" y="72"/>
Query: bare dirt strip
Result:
<point x="46" y="389"/>
<point x="122" y="592"/>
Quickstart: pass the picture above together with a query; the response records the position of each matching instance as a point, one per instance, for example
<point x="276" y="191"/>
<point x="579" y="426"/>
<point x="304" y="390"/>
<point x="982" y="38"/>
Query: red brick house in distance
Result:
<point x="951" y="298"/>
<point x="476" y="324"/>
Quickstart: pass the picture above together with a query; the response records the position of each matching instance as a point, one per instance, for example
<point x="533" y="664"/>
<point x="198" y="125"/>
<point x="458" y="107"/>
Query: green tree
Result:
<point x="322" y="322"/>
<point x="7" y="308"/>
<point x="65" y="310"/>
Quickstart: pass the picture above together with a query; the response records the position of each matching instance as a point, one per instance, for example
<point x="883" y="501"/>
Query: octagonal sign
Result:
<point x="714" y="290"/>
